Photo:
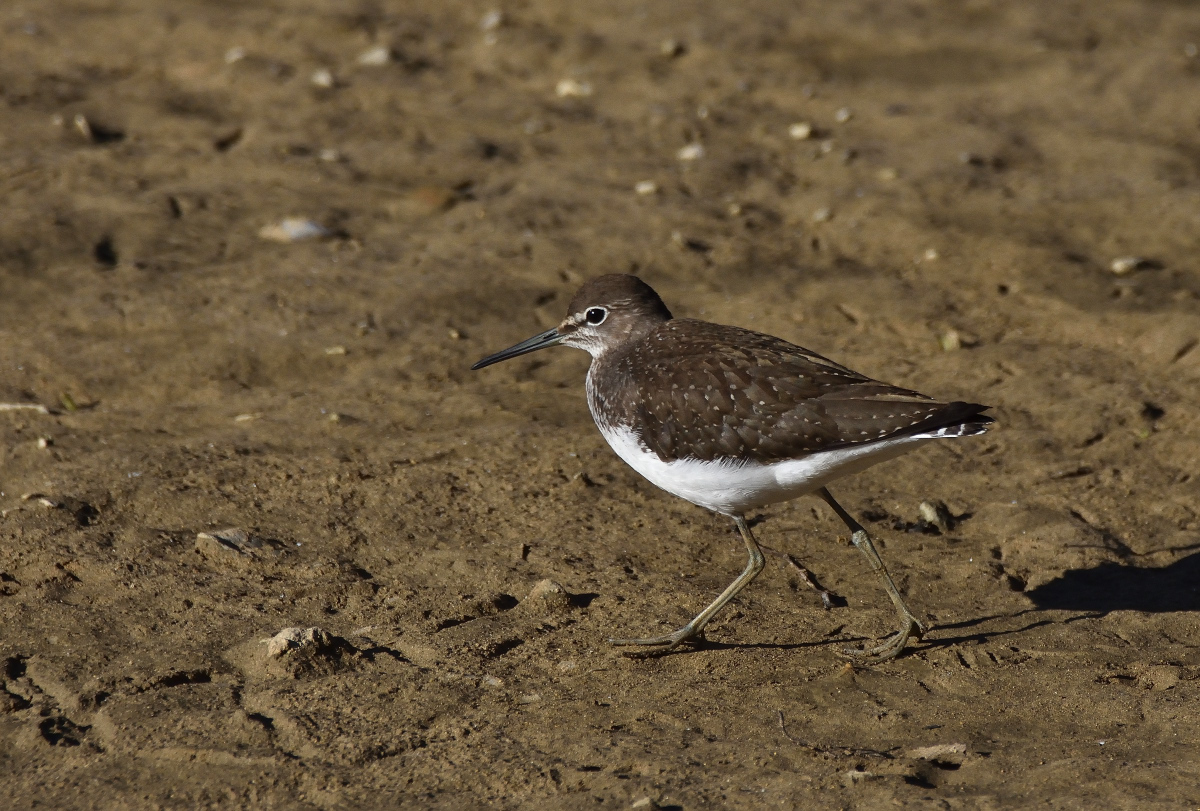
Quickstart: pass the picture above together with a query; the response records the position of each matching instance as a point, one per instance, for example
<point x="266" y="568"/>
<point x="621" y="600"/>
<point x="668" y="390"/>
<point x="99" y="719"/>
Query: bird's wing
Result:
<point x="707" y="391"/>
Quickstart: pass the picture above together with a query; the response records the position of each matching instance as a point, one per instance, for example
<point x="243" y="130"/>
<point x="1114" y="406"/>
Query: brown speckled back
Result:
<point x="691" y="389"/>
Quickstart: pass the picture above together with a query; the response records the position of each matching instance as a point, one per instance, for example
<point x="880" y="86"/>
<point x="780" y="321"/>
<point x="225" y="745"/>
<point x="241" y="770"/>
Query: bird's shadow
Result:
<point x="979" y="637"/>
<point x="1096" y="592"/>
<point x="1116" y="587"/>
<point x="1092" y="592"/>
<point x="710" y="645"/>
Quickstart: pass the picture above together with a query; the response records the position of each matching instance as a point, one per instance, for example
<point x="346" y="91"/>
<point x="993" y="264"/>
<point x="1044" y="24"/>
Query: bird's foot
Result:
<point x="890" y="648"/>
<point x="661" y="644"/>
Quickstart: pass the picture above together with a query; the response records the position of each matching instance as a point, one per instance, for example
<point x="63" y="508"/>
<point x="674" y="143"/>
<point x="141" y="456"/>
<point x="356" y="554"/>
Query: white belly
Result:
<point x="732" y="488"/>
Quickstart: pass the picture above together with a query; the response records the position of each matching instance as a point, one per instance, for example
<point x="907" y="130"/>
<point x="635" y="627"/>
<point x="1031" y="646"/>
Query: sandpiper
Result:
<point x="733" y="420"/>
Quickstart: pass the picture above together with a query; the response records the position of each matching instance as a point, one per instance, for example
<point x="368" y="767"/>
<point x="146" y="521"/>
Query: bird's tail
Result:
<point x="973" y="426"/>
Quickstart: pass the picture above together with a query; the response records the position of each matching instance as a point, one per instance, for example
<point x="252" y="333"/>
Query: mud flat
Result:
<point x="266" y="542"/>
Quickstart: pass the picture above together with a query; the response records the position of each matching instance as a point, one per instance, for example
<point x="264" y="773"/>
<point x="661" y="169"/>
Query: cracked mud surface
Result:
<point x="972" y="173"/>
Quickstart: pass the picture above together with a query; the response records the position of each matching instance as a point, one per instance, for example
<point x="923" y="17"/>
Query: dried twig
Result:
<point x="783" y="729"/>
<point x="828" y="598"/>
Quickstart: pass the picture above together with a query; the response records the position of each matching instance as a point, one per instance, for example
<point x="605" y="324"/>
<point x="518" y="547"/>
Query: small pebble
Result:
<point x="953" y="339"/>
<point x="492" y="681"/>
<point x="335" y="350"/>
<point x="322" y="77"/>
<point x="1159" y="678"/>
<point x="930" y="255"/>
<point x="801" y="131"/>
<point x="232" y="538"/>
<point x="937" y="514"/>
<point x="826" y="147"/>
<point x="671" y="48"/>
<point x="1126" y="264"/>
<point x="546" y="589"/>
<point x="546" y="596"/>
<point x="235" y="54"/>
<point x="690" y="152"/>
<point x="843" y="115"/>
<point x="375" y="57"/>
<point x="96" y="133"/>
<point x="529" y="698"/>
<point x="454" y="334"/>
<point x="219" y="544"/>
<point x="492" y="20"/>
<point x="246" y="417"/>
<point x="646" y="187"/>
<point x="854" y="777"/>
<point x="822" y="215"/>
<point x="535" y="126"/>
<point x="953" y="753"/>
<point x="293" y="229"/>
<point x="887" y="173"/>
<point x="284" y="641"/>
<point x="432" y="199"/>
<point x="44" y="442"/>
<point x="81" y="124"/>
<point x="330" y="155"/>
<point x="644" y="802"/>
<point x="290" y="639"/>
<point x="572" y="89"/>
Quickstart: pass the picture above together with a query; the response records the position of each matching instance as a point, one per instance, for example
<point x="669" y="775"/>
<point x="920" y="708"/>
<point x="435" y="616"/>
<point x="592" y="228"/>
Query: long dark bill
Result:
<point x="548" y="338"/>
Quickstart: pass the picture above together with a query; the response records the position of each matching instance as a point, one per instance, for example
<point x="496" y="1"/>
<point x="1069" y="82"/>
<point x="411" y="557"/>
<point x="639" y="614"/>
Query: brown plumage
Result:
<point x="691" y="389"/>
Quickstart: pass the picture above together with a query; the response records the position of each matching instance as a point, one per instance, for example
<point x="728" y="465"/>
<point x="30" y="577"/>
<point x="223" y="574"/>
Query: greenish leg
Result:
<point x="910" y="626"/>
<point x="695" y="628"/>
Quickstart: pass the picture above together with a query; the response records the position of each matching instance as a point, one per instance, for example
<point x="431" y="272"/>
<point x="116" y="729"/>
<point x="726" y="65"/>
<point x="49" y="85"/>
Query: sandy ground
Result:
<point x="971" y="172"/>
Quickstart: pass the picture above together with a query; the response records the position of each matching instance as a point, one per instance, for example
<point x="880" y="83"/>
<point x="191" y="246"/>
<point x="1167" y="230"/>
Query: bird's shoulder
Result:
<point x="686" y="351"/>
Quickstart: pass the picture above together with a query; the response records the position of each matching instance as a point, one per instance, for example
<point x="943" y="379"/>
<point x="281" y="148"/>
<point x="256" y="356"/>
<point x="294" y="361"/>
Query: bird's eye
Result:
<point x="596" y="315"/>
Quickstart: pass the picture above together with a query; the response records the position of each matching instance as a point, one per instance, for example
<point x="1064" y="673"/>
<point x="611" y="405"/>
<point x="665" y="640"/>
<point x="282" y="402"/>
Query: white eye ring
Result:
<point x="595" y="315"/>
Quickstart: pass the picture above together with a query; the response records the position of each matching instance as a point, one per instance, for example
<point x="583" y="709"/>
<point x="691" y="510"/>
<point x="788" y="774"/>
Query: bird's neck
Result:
<point x="611" y="393"/>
